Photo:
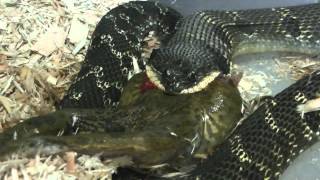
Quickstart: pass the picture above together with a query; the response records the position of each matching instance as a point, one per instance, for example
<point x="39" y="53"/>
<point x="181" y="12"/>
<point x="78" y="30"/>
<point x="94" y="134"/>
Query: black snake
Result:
<point x="193" y="52"/>
<point x="202" y="46"/>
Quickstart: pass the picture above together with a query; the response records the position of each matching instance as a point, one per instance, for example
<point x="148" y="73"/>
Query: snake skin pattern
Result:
<point x="266" y="142"/>
<point x="115" y="51"/>
<point x="269" y="139"/>
<point x="203" y="46"/>
<point x="207" y="41"/>
<point x="192" y="51"/>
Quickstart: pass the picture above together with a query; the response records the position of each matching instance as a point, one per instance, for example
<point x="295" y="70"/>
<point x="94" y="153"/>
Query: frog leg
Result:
<point x="50" y="124"/>
<point x="147" y="148"/>
<point x="64" y="122"/>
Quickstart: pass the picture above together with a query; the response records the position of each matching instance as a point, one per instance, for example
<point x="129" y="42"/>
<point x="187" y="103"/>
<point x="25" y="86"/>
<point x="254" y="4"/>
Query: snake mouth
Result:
<point x="202" y="84"/>
<point x="153" y="77"/>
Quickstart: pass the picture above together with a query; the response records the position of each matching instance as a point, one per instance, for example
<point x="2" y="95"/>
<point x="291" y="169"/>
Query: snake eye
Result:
<point x="192" y="76"/>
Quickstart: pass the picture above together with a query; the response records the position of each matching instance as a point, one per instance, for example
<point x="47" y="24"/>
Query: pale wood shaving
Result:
<point x="78" y="31"/>
<point x="300" y="66"/>
<point x="50" y="41"/>
<point x="42" y="45"/>
<point x="255" y="83"/>
<point x="6" y="103"/>
<point x="14" y="174"/>
<point x="83" y="167"/>
<point x="71" y="164"/>
<point x="309" y="106"/>
<point x="3" y="68"/>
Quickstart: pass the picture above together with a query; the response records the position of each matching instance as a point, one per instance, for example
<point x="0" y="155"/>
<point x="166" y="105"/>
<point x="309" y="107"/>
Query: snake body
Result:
<point x="270" y="138"/>
<point x="114" y="54"/>
<point x="151" y="128"/>
<point x="206" y="43"/>
<point x="193" y="51"/>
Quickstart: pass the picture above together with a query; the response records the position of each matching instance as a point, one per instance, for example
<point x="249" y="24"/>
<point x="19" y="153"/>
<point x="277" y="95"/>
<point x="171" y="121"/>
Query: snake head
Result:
<point x="184" y="68"/>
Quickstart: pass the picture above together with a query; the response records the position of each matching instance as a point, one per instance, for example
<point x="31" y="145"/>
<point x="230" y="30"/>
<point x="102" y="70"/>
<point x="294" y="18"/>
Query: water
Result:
<point x="264" y="75"/>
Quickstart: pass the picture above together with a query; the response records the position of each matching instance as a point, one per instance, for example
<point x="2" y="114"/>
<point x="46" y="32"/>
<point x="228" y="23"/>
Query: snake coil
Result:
<point x="193" y="51"/>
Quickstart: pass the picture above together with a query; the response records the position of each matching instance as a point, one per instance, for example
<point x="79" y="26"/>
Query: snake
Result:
<point x="194" y="51"/>
<point x="151" y="128"/>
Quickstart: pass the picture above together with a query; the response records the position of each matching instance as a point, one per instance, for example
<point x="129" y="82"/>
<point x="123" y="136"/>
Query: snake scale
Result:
<point x="194" y="50"/>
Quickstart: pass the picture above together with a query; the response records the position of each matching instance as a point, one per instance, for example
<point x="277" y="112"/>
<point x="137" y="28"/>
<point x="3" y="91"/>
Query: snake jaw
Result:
<point x="152" y="75"/>
<point x="202" y="84"/>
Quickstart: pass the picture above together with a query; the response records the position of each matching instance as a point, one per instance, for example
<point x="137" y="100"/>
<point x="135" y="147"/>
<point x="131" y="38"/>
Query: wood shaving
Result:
<point x="42" y="46"/>
<point x="300" y="66"/>
<point x="309" y="106"/>
<point x="6" y="103"/>
<point x="78" y="31"/>
<point x="70" y="159"/>
<point x="3" y="68"/>
<point x="272" y="72"/>
<point x="50" y="41"/>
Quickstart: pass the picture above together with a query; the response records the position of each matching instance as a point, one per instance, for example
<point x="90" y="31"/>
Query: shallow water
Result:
<point x="307" y="165"/>
<point x="263" y="75"/>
